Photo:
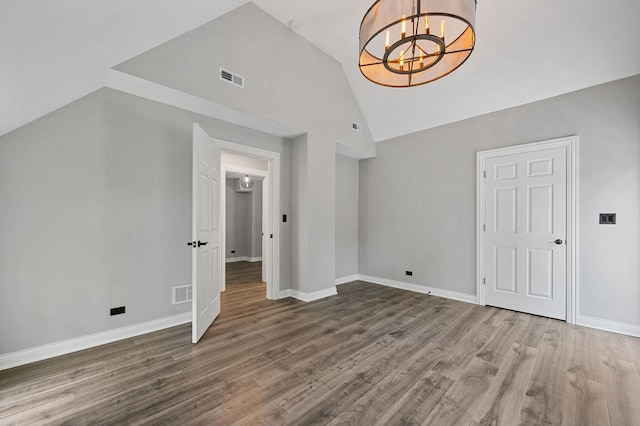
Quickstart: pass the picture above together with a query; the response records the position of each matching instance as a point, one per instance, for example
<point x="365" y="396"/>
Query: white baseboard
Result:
<point x="243" y="259"/>
<point x="236" y="259"/>
<point x="462" y="297"/>
<point x="608" y="325"/>
<point x="347" y="279"/>
<point x="39" y="353"/>
<point x="308" y="297"/>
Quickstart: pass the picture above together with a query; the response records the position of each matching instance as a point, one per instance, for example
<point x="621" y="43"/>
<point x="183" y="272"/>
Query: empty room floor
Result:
<point x="370" y="355"/>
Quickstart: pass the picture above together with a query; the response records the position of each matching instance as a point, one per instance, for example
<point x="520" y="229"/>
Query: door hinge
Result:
<point x="270" y="235"/>
<point x="484" y="281"/>
<point x="484" y="227"/>
<point x="484" y="174"/>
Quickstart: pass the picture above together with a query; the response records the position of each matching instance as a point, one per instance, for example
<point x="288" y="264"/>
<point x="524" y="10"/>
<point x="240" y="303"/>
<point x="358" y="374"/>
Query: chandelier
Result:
<point x="405" y="43"/>
<point x="246" y="182"/>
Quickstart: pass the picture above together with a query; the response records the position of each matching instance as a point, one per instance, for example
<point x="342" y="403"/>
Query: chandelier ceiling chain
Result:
<point x="391" y="56"/>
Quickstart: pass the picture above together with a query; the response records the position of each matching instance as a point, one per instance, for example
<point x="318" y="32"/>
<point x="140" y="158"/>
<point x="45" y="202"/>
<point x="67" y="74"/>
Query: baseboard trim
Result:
<point x="462" y="297"/>
<point x="236" y="259"/>
<point x="243" y="259"/>
<point x="308" y="297"/>
<point x="39" y="353"/>
<point x="608" y="325"/>
<point x="347" y="279"/>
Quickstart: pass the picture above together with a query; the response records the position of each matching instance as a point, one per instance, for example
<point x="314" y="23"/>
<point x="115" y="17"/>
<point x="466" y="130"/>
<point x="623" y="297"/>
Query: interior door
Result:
<point x="525" y="232"/>
<point x="206" y="258"/>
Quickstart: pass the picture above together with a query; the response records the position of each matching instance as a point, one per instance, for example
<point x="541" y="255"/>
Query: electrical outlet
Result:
<point x="608" y="218"/>
<point x="117" y="311"/>
<point x="409" y="273"/>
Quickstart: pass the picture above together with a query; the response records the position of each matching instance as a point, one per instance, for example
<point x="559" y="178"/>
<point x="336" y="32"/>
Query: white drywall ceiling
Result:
<point x="52" y="53"/>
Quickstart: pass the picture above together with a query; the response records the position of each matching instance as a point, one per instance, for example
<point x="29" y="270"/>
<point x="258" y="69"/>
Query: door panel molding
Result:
<point x="570" y="144"/>
<point x="206" y="261"/>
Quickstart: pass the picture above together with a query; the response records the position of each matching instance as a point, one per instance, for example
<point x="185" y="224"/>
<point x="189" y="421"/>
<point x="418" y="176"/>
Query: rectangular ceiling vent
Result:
<point x="181" y="294"/>
<point x="231" y="77"/>
<point x="356" y="126"/>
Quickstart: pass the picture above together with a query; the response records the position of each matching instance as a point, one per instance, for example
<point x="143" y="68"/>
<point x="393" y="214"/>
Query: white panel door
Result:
<point x="206" y="258"/>
<point x="525" y="232"/>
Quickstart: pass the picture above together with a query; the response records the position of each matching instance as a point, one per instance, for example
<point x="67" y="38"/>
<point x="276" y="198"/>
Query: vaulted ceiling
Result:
<point x="52" y="53"/>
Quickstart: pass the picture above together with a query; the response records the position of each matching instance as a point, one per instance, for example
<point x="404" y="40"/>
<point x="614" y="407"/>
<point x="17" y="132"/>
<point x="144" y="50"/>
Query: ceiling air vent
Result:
<point x="181" y="294"/>
<point x="231" y="77"/>
<point x="356" y="126"/>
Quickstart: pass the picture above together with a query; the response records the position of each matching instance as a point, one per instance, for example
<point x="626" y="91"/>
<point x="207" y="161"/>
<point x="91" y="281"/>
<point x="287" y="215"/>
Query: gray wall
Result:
<point x="347" y="179"/>
<point x="256" y="220"/>
<point x="417" y="197"/>
<point x="312" y="214"/>
<point x="96" y="213"/>
<point x="298" y="217"/>
<point x="243" y="221"/>
<point x="313" y="95"/>
<point x="238" y="222"/>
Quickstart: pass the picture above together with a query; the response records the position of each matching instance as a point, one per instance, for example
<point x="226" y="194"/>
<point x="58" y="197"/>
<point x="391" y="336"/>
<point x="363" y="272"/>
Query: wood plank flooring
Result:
<point x="370" y="355"/>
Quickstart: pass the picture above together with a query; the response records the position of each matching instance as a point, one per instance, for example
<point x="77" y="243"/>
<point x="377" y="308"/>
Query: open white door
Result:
<point x="206" y="258"/>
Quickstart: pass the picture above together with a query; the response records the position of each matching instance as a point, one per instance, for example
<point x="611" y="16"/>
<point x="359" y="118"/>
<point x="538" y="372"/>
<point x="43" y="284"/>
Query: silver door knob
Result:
<point x="558" y="242"/>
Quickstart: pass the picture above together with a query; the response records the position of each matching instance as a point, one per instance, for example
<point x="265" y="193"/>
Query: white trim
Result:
<point x="308" y="297"/>
<point x="242" y="259"/>
<point x="570" y="143"/>
<point x="271" y="187"/>
<point x="64" y="347"/>
<point x="608" y="325"/>
<point x="283" y="294"/>
<point x="434" y="291"/>
<point x="137" y="86"/>
<point x="347" y="279"/>
<point x="245" y="170"/>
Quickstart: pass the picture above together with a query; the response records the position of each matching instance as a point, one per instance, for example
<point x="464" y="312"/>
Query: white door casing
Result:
<point x="206" y="257"/>
<point x="526" y="221"/>
<point x="266" y="249"/>
<point x="271" y="189"/>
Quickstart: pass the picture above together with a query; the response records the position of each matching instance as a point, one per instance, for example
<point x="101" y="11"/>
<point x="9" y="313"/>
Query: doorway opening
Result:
<point x="245" y="221"/>
<point x="249" y="227"/>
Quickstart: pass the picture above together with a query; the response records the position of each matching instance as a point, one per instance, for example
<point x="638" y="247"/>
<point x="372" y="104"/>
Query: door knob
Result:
<point x="200" y="243"/>
<point x="191" y="243"/>
<point x="558" y="242"/>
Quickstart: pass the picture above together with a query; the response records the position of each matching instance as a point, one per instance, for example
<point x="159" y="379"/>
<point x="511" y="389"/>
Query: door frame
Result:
<point x="570" y="143"/>
<point x="271" y="185"/>
<point x="264" y="214"/>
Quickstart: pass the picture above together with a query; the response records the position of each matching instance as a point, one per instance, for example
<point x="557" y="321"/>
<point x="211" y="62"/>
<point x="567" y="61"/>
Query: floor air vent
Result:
<point x="231" y="77"/>
<point x="182" y="294"/>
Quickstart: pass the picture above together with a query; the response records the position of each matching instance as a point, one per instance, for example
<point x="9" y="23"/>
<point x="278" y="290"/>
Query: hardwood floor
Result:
<point x="370" y="355"/>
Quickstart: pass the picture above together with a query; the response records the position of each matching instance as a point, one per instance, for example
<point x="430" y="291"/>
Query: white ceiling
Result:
<point x="52" y="53"/>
